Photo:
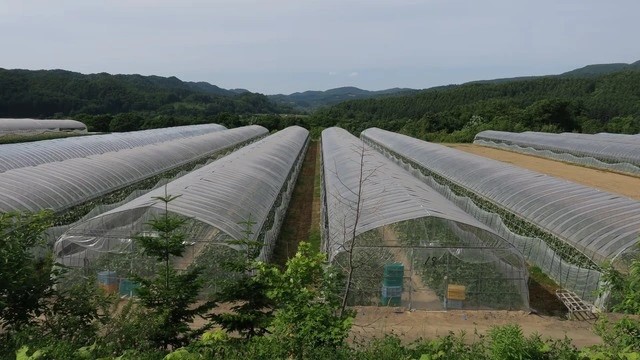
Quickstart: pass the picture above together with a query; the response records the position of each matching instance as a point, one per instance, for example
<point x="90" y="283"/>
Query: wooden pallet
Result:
<point x="578" y="309"/>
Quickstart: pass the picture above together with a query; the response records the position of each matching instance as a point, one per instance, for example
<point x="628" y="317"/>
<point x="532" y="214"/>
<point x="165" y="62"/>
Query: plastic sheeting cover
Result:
<point x="13" y="156"/>
<point x="598" y="223"/>
<point x="60" y="185"/>
<point x="239" y="187"/>
<point x="389" y="194"/>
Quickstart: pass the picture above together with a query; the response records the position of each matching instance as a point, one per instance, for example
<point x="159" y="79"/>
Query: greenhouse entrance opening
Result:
<point x="409" y="270"/>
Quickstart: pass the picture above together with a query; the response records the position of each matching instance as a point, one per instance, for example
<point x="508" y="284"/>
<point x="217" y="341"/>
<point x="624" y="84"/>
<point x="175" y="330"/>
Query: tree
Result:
<point x="251" y="310"/>
<point x="35" y="305"/>
<point x="126" y="122"/>
<point x="25" y="280"/>
<point x="623" y="290"/>
<point x="308" y="313"/>
<point x="170" y="296"/>
<point x="353" y="200"/>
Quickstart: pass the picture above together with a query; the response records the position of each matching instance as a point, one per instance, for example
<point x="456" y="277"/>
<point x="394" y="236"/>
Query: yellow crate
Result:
<point x="456" y="292"/>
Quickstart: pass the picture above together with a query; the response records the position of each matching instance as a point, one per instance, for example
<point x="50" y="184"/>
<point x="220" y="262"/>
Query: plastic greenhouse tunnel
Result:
<point x="13" y="156"/>
<point x="565" y="228"/>
<point x="252" y="184"/>
<point x="64" y="184"/>
<point x="35" y="126"/>
<point x="616" y="152"/>
<point x="410" y="246"/>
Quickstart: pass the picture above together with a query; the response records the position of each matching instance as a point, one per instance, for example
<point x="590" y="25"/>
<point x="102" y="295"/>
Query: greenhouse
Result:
<point x="64" y="184"/>
<point x="13" y="156"/>
<point x="616" y="152"/>
<point x="405" y="243"/>
<point x="34" y="126"/>
<point x="577" y="227"/>
<point x="247" y="191"/>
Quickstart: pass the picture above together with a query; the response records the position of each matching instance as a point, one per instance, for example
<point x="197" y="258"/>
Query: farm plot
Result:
<point x="580" y="226"/>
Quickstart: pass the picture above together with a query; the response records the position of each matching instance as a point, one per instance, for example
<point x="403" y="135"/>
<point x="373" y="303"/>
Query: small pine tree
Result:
<point x="170" y="296"/>
<point x="251" y="311"/>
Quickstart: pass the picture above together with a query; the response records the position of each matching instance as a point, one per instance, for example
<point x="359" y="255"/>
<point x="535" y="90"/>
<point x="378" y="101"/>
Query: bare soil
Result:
<point x="373" y="322"/>
<point x="626" y="185"/>
<point x="376" y="322"/>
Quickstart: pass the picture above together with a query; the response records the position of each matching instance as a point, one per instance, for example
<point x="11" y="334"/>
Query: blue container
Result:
<point x="107" y="278"/>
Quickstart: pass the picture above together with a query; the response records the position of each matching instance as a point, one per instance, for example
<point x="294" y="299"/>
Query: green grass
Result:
<point x="314" y="232"/>
<point x="314" y="238"/>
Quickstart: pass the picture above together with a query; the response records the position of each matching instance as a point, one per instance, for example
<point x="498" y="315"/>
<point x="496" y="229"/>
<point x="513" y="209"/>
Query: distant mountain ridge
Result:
<point x="602" y="69"/>
<point x="47" y="93"/>
<point x="585" y="71"/>
<point x="312" y="100"/>
<point x="592" y="99"/>
<point x="309" y="100"/>
<point x="41" y="93"/>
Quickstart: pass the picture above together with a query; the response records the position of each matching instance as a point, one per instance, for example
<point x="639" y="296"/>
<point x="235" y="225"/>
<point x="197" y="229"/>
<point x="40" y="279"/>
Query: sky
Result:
<point x="284" y="46"/>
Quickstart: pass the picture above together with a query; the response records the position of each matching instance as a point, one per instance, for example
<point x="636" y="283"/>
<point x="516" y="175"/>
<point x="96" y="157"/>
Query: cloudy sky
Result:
<point x="283" y="46"/>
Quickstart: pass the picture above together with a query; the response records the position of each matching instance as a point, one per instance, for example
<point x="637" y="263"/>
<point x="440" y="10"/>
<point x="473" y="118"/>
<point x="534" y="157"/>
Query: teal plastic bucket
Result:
<point x="393" y="274"/>
<point x="128" y="288"/>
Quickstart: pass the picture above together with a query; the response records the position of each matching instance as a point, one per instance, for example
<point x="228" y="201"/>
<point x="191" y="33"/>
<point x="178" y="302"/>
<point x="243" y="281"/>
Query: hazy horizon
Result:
<point x="293" y="46"/>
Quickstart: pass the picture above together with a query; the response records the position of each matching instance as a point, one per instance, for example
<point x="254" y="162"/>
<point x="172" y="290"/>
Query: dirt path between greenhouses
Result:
<point x="626" y="185"/>
<point x="298" y="220"/>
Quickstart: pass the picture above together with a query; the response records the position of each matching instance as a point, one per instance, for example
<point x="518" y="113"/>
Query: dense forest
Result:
<point x="122" y="102"/>
<point x="592" y="99"/>
<point x="590" y="104"/>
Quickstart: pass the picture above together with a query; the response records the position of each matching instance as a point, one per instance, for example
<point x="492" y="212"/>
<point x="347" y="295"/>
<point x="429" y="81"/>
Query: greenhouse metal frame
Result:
<point x="249" y="187"/>
<point x="13" y="156"/>
<point x="579" y="225"/>
<point x="61" y="185"/>
<point x="615" y="152"/>
<point x="382" y="216"/>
